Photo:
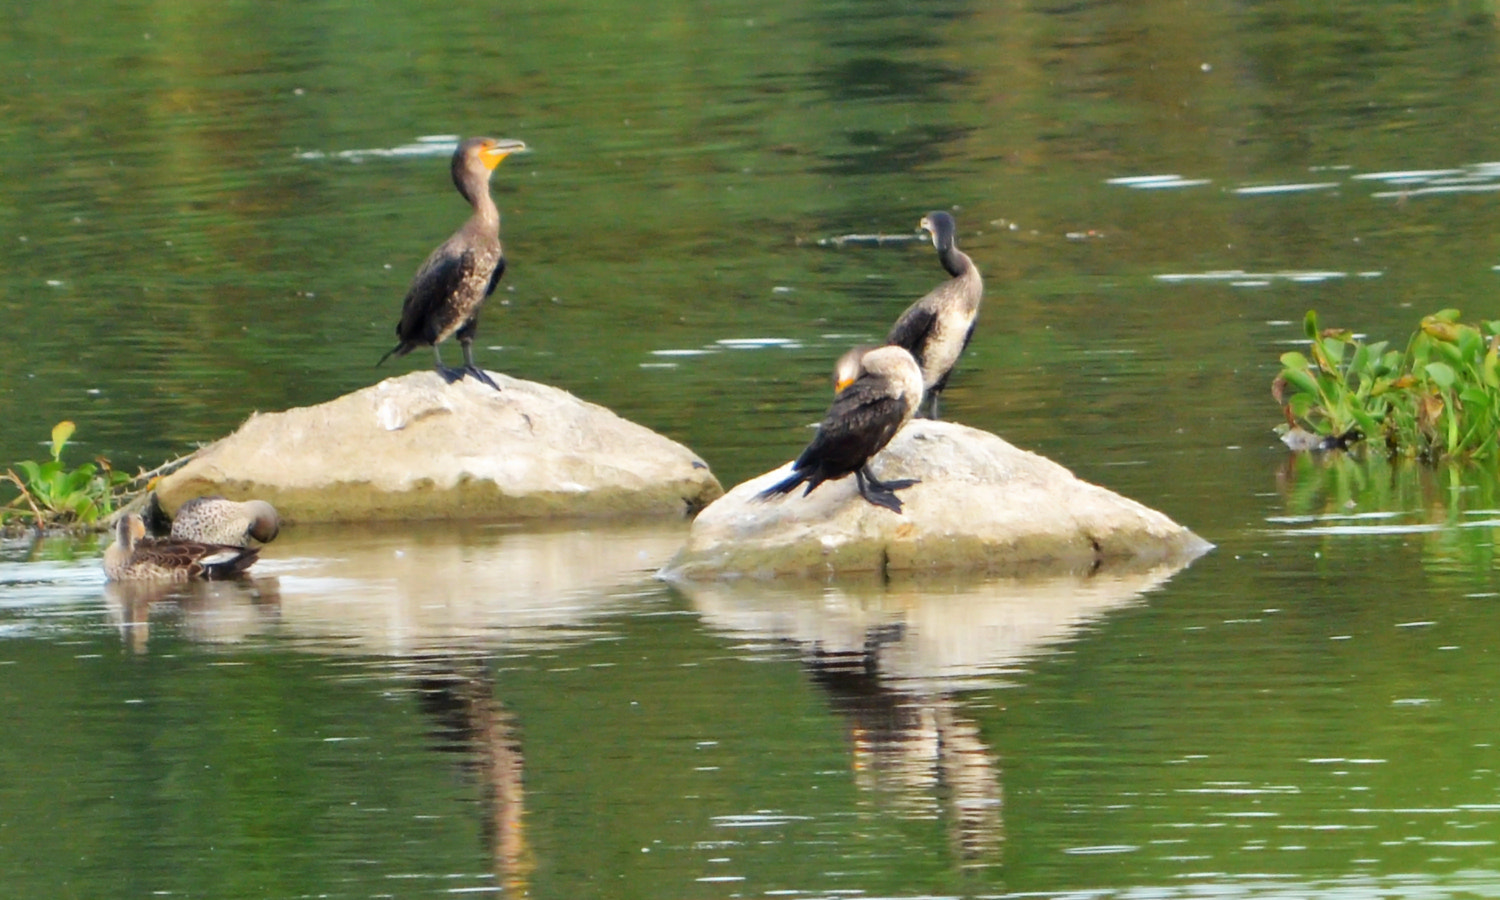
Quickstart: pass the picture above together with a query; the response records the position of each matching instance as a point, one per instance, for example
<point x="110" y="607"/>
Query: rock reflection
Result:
<point x="407" y="590"/>
<point x="894" y="658"/>
<point x="441" y="598"/>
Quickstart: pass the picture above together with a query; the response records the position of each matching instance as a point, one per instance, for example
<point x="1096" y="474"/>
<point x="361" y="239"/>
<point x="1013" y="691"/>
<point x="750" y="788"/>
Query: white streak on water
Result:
<point x="1242" y="275"/>
<point x="434" y="145"/>
<point x="1257" y="189"/>
<point x="1155" y="182"/>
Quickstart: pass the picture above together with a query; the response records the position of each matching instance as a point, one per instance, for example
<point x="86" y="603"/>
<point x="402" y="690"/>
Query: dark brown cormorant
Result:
<point x="865" y="415"/>
<point x="135" y="557"/>
<point x="937" y="328"/>
<point x="449" y="288"/>
<point x="215" y="520"/>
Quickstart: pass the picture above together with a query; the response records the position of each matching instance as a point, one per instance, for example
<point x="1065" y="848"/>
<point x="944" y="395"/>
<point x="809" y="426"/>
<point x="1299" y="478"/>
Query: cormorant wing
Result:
<point x="500" y="270"/>
<point x="437" y="281"/>
<point x="862" y="420"/>
<point x="912" y="329"/>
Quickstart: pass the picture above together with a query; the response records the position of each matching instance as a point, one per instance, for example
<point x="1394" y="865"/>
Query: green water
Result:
<point x="200" y="217"/>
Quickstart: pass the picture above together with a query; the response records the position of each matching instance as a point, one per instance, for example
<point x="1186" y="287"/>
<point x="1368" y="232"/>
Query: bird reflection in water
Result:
<point x="914" y="748"/>
<point x="217" y="612"/>
<point x="458" y="695"/>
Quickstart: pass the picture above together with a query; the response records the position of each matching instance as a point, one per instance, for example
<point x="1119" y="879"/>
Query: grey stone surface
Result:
<point x="414" y="447"/>
<point x="982" y="504"/>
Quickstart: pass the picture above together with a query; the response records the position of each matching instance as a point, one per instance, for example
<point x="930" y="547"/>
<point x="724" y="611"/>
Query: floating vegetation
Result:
<point x="1438" y="398"/>
<point x="51" y="495"/>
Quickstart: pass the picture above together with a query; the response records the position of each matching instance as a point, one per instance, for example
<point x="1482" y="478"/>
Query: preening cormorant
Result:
<point x="447" y="291"/>
<point x="865" y="415"/>
<point x="135" y="557"/>
<point x="937" y="328"/>
<point x="215" y="520"/>
<point x="846" y="370"/>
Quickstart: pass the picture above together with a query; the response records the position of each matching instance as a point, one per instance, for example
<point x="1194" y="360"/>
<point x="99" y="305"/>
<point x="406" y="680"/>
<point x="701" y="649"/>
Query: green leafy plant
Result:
<point x="1441" y="397"/>
<point x="53" y="495"/>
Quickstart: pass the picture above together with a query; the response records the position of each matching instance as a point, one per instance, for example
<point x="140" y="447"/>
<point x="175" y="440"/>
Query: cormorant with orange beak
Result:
<point x="449" y="288"/>
<point x="880" y="397"/>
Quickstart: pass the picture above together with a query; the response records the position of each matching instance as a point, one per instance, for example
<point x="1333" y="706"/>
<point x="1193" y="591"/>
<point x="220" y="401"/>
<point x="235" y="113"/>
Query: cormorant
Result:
<point x="865" y="415"/>
<point x="214" y="520"/>
<point x="135" y="557"/>
<point x="447" y="291"/>
<point x="846" y="370"/>
<point x="937" y="328"/>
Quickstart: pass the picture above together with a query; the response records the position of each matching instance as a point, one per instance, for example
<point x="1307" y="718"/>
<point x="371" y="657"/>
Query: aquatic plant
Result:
<point x="53" y="495"/>
<point x="1441" y="397"/>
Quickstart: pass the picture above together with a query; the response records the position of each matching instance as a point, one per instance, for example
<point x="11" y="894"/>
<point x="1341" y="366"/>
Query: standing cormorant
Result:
<point x="447" y="291"/>
<point x="937" y="328"/>
<point x="135" y="557"/>
<point x="215" y="520"/>
<point x="865" y="415"/>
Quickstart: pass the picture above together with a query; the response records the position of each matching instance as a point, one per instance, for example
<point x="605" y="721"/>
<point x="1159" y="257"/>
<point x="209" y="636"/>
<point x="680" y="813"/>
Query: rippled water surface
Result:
<point x="207" y="210"/>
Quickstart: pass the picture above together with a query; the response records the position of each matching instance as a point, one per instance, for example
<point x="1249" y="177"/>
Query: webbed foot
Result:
<point x="480" y="374"/>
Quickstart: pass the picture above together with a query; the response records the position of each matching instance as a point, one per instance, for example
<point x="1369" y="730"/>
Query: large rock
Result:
<point x="982" y="504"/>
<point x="414" y="447"/>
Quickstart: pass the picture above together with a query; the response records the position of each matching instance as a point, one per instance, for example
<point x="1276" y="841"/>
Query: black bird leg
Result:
<point x="875" y="495"/>
<point x="449" y="374"/>
<point x="931" y="402"/>
<point x="886" y="485"/>
<point x="469" y="367"/>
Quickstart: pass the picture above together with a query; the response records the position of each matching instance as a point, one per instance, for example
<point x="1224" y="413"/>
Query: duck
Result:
<point x="866" y="413"/>
<point x="215" y="520"/>
<point x="936" y="329"/>
<point x="135" y="557"/>
<point x="449" y="288"/>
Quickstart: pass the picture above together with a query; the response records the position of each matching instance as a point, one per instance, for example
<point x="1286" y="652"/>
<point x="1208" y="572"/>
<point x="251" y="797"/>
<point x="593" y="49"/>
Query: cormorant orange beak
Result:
<point x="493" y="154"/>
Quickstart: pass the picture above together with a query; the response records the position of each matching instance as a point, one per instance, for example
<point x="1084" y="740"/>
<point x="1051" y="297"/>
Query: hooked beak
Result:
<point x="492" y="155"/>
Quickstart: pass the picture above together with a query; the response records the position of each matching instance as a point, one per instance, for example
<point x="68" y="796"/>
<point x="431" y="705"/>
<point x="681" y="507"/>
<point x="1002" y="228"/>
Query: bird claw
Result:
<point x="449" y="374"/>
<point x="482" y="375"/>
<point x="883" y="498"/>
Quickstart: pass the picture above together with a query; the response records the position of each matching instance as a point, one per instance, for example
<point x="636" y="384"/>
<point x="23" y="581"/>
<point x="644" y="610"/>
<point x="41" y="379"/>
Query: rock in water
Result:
<point x="982" y="504"/>
<point x="413" y="447"/>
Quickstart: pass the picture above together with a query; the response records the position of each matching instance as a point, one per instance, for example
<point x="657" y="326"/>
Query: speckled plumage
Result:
<point x="865" y="415"/>
<point x="135" y="557"/>
<point x="451" y="285"/>
<point x="215" y="520"/>
<point x="936" y="329"/>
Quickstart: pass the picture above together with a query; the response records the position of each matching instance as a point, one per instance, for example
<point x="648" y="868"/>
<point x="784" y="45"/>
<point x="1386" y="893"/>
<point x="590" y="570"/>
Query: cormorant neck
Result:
<point x="479" y="197"/>
<point x="485" y="209"/>
<point x="955" y="260"/>
<point x="474" y="185"/>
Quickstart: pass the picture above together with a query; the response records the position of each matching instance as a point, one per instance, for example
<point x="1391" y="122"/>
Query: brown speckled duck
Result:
<point x="448" y="290"/>
<point x="135" y="557"/>
<point x="215" y="520"/>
